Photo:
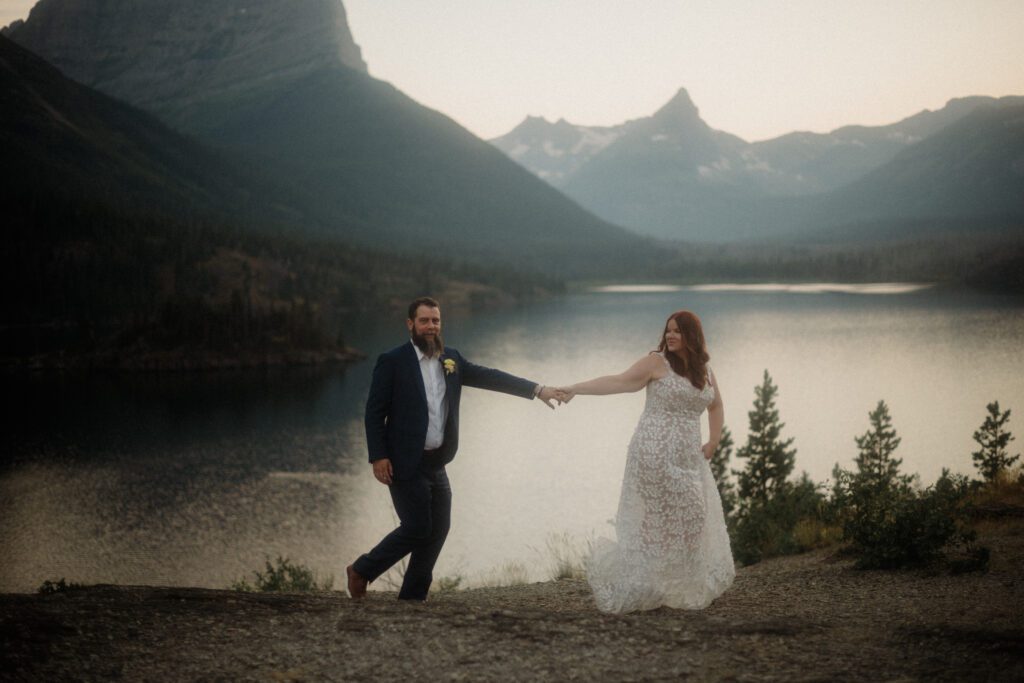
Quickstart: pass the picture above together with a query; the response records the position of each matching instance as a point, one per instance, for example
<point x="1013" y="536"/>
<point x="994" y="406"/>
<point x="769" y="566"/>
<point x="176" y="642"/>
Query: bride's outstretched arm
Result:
<point x="716" y="419"/>
<point x="634" y="379"/>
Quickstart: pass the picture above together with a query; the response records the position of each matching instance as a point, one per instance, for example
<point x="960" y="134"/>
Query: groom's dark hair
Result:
<point x="421" y="301"/>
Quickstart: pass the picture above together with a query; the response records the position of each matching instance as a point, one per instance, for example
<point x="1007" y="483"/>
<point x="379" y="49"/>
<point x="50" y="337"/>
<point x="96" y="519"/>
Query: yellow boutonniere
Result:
<point x="449" y="366"/>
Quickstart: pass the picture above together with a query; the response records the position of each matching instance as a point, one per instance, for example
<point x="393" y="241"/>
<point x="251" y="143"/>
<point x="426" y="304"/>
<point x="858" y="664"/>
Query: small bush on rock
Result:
<point x="285" y="577"/>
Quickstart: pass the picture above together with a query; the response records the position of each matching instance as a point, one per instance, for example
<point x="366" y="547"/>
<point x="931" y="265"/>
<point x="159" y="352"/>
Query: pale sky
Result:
<point x="754" y="68"/>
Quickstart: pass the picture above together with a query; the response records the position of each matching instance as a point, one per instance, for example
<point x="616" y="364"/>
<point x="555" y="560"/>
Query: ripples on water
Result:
<point x="197" y="479"/>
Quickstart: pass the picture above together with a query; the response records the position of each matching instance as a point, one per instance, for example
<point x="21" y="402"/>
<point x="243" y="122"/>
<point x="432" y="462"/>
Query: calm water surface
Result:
<point x="196" y="479"/>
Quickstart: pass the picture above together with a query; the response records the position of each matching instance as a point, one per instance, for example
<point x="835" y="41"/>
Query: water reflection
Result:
<point x="802" y="288"/>
<point x="818" y="288"/>
<point x="636" y="289"/>
<point x="103" y="412"/>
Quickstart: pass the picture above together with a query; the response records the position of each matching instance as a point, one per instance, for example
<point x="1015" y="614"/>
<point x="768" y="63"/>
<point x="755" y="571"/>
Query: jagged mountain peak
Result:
<point x="671" y="174"/>
<point x="679" y="109"/>
<point x="167" y="55"/>
<point x="532" y="125"/>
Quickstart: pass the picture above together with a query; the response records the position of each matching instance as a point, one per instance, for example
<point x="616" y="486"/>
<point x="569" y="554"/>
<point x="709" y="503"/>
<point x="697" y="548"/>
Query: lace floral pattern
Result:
<point x="673" y="548"/>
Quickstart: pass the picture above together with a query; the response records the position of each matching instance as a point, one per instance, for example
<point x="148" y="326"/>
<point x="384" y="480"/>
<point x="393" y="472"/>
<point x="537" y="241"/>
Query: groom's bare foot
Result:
<point x="356" y="583"/>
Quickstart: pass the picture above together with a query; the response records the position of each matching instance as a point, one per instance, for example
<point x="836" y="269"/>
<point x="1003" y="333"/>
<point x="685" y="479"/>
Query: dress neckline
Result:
<point x="668" y="367"/>
<point x="664" y="357"/>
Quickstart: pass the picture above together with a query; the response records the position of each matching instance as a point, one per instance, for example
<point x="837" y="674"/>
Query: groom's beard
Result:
<point x="430" y="346"/>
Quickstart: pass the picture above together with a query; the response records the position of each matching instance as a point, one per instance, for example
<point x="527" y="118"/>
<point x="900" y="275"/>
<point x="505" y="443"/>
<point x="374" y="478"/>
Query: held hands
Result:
<point x="548" y="394"/>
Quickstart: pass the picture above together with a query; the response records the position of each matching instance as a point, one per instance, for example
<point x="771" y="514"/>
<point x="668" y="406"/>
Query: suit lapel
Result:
<point x="414" y="368"/>
<point x="449" y="377"/>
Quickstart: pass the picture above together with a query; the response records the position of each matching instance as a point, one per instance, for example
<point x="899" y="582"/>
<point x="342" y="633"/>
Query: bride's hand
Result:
<point x="709" y="450"/>
<point x="564" y="394"/>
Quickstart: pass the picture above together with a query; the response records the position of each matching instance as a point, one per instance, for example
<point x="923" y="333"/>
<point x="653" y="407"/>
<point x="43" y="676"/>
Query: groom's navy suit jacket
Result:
<point x="396" y="408"/>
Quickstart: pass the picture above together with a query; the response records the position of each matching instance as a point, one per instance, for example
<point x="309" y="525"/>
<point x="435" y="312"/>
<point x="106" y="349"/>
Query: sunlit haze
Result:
<point x="757" y="70"/>
<point x="754" y="69"/>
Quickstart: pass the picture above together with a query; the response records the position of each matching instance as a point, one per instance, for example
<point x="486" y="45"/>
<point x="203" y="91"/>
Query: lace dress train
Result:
<point x="672" y="548"/>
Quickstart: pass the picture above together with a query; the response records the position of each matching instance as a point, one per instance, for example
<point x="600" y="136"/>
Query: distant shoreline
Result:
<point x="178" y="360"/>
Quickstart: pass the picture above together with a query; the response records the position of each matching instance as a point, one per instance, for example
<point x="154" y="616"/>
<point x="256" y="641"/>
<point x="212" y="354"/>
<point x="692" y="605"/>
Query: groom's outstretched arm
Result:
<point x="482" y="377"/>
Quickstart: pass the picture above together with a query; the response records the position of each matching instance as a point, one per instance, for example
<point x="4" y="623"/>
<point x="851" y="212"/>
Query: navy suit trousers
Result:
<point x="424" y="507"/>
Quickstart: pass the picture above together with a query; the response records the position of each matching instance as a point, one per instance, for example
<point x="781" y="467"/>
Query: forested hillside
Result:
<point x="127" y="244"/>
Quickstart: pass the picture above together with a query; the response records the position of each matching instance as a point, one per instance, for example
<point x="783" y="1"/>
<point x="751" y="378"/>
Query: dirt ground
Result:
<point x="803" y="618"/>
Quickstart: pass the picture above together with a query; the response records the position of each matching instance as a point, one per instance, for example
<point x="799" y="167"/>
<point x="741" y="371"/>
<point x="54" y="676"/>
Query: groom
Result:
<point x="412" y="431"/>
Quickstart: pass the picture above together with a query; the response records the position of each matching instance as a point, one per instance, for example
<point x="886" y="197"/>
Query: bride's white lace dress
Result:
<point x="672" y="546"/>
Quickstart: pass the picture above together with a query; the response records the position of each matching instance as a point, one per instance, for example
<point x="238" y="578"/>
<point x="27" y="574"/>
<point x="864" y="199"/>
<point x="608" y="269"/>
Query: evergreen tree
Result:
<point x="719" y="467"/>
<point x="888" y="523"/>
<point x="770" y="460"/>
<point x="877" y="470"/>
<point x="993" y="439"/>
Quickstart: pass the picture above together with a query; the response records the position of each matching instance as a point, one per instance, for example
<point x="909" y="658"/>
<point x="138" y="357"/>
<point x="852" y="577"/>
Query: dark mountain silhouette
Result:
<point x="172" y="56"/>
<point x="373" y="166"/>
<point x="128" y="244"/>
<point x="60" y="136"/>
<point x="969" y="176"/>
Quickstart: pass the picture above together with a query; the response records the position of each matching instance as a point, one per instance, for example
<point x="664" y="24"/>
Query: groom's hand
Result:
<point x="382" y="471"/>
<point x="547" y="394"/>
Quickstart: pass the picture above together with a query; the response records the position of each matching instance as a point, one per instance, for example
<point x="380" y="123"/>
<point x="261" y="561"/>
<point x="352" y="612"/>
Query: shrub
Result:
<point x="51" y="587"/>
<point x="765" y="529"/>
<point x="999" y="496"/>
<point x="509" y="573"/>
<point x="887" y="522"/>
<point x="448" y="584"/>
<point x="284" y="577"/>
<point x="901" y="527"/>
<point x="815" y="532"/>
<point x="566" y="558"/>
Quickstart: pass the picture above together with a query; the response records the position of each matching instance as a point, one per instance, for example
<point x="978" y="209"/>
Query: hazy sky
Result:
<point x="755" y="68"/>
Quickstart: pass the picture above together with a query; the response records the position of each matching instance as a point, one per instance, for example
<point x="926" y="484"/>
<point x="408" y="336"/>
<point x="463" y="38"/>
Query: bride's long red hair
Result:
<point x="691" y="361"/>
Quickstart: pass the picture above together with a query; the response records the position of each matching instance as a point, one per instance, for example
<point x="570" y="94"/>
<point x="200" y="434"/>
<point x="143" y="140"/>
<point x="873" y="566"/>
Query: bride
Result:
<point x="672" y="546"/>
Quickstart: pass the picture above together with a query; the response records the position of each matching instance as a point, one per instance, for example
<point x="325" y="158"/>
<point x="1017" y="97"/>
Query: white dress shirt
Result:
<point x="437" y="402"/>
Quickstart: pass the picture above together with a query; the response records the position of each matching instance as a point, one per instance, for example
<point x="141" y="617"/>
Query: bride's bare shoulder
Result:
<point x="654" y="363"/>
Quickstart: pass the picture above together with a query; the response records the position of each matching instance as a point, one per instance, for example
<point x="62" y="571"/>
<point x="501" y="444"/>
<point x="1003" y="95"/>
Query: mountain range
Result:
<point x="259" y="116"/>
<point x="281" y="87"/>
<point x="671" y="175"/>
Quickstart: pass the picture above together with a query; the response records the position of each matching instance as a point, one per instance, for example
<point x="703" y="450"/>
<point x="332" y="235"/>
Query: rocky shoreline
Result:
<point x="811" y="617"/>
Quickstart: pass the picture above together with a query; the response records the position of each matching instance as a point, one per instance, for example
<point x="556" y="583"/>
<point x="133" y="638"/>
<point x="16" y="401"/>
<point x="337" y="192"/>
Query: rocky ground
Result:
<point x="810" y="617"/>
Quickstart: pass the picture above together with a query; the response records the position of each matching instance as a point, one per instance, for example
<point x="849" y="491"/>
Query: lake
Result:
<point x="194" y="479"/>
